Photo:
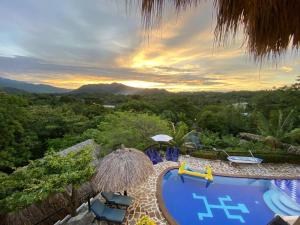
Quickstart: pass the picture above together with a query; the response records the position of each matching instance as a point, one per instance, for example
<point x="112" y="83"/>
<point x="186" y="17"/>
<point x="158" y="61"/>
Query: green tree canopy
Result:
<point x="130" y="129"/>
<point x="44" y="177"/>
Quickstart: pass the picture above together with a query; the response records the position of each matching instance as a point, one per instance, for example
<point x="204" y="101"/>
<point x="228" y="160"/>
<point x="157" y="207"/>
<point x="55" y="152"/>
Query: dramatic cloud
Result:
<point x="70" y="43"/>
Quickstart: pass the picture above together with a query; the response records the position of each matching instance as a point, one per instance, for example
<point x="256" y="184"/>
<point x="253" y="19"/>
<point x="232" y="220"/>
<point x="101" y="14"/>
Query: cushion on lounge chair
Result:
<point x="97" y="208"/>
<point x="107" y="195"/>
<point x="117" y="199"/>
<point x="105" y="213"/>
<point x="114" y="215"/>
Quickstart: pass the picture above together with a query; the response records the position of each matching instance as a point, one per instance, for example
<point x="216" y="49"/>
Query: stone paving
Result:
<point x="145" y="195"/>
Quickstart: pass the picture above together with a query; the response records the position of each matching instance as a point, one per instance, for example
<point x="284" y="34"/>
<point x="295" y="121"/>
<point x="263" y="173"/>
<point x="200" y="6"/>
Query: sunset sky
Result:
<point x="73" y="42"/>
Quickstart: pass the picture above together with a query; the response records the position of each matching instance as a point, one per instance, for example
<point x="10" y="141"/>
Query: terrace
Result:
<point x="148" y="196"/>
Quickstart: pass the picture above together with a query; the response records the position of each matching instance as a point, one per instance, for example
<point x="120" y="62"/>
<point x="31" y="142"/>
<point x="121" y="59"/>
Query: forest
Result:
<point x="33" y="124"/>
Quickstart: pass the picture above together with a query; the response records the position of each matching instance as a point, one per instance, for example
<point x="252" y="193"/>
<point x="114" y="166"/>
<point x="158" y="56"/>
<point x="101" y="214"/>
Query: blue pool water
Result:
<point x="225" y="201"/>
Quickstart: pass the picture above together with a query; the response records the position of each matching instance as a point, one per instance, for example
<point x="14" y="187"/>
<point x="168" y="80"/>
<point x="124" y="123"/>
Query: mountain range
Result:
<point x="14" y="86"/>
<point x="20" y="86"/>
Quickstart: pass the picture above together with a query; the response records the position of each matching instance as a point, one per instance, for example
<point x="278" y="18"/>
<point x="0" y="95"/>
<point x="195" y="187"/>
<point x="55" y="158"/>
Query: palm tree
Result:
<point x="179" y="133"/>
<point x="276" y="128"/>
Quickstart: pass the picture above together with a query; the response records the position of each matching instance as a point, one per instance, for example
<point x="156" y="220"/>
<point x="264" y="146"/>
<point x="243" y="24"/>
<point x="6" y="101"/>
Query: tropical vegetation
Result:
<point x="31" y="125"/>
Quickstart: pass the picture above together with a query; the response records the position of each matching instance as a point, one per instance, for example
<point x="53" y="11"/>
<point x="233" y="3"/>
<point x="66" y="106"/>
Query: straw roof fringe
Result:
<point x="122" y="170"/>
<point x="36" y="212"/>
<point x="270" y="26"/>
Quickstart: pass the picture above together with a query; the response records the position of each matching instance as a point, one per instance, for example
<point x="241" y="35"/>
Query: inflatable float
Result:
<point x="184" y="169"/>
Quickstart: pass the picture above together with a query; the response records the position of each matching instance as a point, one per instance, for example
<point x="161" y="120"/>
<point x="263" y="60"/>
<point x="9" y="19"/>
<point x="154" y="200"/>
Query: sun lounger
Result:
<point x="104" y="213"/>
<point x="117" y="199"/>
<point x="242" y="159"/>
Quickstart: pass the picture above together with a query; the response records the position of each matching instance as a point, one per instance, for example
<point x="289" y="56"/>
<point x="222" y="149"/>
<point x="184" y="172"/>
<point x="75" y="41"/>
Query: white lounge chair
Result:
<point x="242" y="159"/>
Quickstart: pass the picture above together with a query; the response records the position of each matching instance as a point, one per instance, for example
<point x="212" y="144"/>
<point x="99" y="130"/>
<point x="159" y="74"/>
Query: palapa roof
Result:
<point x="122" y="169"/>
<point x="270" y="26"/>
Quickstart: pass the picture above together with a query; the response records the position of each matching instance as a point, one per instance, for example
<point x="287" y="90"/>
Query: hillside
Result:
<point x="10" y="85"/>
<point x="115" y="88"/>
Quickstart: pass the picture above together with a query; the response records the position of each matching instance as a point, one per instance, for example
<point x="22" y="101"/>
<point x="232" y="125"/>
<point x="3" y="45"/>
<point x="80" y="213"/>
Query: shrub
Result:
<point x="229" y="141"/>
<point x="210" y="139"/>
<point x="294" y="136"/>
<point x="43" y="178"/>
<point x="145" y="220"/>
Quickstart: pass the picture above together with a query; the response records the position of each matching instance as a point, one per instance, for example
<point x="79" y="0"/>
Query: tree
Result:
<point x="15" y="139"/>
<point x="42" y="178"/>
<point x="277" y="128"/>
<point x="277" y="125"/>
<point x="179" y="133"/>
<point x="131" y="129"/>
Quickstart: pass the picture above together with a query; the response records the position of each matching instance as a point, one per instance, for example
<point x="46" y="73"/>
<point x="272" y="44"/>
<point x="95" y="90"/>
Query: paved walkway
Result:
<point x="145" y="195"/>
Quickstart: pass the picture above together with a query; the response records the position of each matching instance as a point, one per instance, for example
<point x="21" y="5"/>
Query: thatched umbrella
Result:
<point x="270" y="26"/>
<point x="122" y="169"/>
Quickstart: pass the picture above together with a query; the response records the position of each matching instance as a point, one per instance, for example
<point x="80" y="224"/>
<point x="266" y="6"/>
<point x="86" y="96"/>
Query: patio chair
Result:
<point x="175" y="154"/>
<point x="172" y="154"/>
<point x="169" y="154"/>
<point x="154" y="155"/>
<point x="117" y="199"/>
<point x="104" y="213"/>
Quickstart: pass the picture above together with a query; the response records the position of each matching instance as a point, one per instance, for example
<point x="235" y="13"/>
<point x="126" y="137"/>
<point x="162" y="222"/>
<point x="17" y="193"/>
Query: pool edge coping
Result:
<point x="160" y="201"/>
<point x="159" y="198"/>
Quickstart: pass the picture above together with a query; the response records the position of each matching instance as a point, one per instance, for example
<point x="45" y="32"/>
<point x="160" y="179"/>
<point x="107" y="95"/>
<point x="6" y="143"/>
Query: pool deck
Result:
<point x="145" y="195"/>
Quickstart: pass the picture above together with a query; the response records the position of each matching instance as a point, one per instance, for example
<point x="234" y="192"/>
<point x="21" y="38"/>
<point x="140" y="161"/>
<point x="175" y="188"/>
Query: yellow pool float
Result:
<point x="184" y="169"/>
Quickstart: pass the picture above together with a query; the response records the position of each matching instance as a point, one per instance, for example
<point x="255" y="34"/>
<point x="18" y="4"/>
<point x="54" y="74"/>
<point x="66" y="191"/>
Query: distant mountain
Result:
<point x="11" y="90"/>
<point x="13" y="86"/>
<point x="19" y="86"/>
<point x="115" y="88"/>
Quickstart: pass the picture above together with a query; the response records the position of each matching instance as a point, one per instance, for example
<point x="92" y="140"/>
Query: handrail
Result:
<point x="49" y="217"/>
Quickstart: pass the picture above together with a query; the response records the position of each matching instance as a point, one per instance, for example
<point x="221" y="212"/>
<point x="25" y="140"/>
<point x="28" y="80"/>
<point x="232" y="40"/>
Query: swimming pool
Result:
<point x="227" y="200"/>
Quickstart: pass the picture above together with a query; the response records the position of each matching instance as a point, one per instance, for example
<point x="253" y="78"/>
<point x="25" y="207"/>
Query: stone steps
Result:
<point x="281" y="204"/>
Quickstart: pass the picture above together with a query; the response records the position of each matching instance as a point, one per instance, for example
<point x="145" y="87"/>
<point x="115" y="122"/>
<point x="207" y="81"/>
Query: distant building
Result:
<point x="109" y="106"/>
<point x="240" y="105"/>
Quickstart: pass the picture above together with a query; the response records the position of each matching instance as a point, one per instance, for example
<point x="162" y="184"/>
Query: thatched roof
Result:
<point x="270" y="26"/>
<point x="122" y="169"/>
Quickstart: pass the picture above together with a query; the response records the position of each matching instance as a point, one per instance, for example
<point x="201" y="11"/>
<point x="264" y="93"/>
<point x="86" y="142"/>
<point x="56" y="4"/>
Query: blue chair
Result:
<point x="169" y="154"/>
<point x="153" y="155"/>
<point x="172" y="154"/>
<point x="104" y="213"/>
<point x="175" y="154"/>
